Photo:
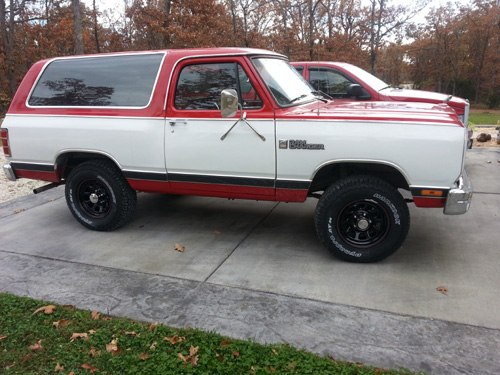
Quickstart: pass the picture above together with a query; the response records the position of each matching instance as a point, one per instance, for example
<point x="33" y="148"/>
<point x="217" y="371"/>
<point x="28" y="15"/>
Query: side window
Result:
<point x="200" y="85"/>
<point x="250" y="98"/>
<point x="299" y="69"/>
<point x="330" y="82"/>
<point x="108" y="81"/>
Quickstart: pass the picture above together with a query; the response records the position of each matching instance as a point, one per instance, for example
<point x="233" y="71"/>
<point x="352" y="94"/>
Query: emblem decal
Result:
<point x="303" y="145"/>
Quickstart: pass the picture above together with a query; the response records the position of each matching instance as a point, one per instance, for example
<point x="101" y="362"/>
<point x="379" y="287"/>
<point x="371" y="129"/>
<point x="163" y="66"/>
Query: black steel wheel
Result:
<point x="94" y="198"/>
<point x="98" y="195"/>
<point x="362" y="219"/>
<point x="363" y="223"/>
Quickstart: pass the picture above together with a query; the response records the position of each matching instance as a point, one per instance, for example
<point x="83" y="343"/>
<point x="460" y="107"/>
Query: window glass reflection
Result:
<point x="117" y="81"/>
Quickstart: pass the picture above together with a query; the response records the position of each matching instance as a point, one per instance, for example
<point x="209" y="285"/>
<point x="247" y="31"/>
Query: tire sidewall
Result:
<point x="75" y="180"/>
<point x="393" y="209"/>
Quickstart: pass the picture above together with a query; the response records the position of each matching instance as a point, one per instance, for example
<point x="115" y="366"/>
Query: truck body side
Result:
<point x="178" y="142"/>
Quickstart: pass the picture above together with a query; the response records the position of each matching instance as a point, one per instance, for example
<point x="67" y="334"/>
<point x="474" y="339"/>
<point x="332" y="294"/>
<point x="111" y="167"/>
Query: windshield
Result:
<point x="286" y="85"/>
<point x="369" y="79"/>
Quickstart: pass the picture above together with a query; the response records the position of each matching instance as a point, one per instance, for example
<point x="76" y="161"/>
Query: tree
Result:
<point x="9" y="16"/>
<point x="77" y="27"/>
<point x="385" y="20"/>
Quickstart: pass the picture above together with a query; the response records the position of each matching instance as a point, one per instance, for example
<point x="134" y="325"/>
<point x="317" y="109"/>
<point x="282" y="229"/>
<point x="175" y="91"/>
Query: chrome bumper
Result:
<point x="9" y="172"/>
<point x="459" y="198"/>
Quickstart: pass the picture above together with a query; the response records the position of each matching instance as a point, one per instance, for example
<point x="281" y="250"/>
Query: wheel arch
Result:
<point x="66" y="160"/>
<point x="330" y="172"/>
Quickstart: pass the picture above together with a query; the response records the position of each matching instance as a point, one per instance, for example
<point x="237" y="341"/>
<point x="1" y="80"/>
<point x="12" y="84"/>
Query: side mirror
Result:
<point x="229" y="103"/>
<point x="354" y="90"/>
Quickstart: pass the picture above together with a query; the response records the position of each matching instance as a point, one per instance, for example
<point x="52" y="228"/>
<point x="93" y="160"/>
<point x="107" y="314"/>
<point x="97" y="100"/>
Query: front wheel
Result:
<point x="98" y="195"/>
<point x="362" y="219"/>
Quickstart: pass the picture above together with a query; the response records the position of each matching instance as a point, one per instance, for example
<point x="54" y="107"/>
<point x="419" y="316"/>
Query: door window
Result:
<point x="200" y="85"/>
<point x="330" y="82"/>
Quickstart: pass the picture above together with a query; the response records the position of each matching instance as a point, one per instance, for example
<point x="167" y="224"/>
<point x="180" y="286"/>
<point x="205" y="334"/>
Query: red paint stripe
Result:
<point x="36" y="175"/>
<point x="221" y="191"/>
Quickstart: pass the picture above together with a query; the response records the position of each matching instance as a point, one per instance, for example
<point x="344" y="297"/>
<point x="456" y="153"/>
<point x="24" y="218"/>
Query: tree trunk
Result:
<point x="167" y="9"/>
<point x="77" y="27"/>
<point x="311" y="29"/>
<point x="96" y="36"/>
<point x="7" y="29"/>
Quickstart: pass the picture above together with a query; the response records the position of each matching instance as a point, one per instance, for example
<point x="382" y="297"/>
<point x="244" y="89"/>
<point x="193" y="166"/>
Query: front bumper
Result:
<point x="459" y="199"/>
<point x="9" y="172"/>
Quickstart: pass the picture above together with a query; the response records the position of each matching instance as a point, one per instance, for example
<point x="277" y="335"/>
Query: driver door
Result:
<point x="241" y="165"/>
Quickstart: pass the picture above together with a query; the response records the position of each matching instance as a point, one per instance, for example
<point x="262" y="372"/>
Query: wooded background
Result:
<point x="454" y="49"/>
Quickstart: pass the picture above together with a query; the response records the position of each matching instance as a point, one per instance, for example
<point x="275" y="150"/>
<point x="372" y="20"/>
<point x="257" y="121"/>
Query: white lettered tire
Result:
<point x="98" y="195"/>
<point x="362" y="219"/>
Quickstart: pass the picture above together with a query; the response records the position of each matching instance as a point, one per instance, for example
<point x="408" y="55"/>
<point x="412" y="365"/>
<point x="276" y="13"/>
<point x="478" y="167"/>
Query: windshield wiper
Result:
<point x="323" y="94"/>
<point x="298" y="98"/>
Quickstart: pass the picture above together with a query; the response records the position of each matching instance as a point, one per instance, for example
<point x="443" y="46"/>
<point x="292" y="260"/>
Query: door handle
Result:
<point x="177" y="122"/>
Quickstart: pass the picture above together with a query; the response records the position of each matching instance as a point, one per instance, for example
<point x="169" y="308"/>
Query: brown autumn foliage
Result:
<point x="455" y="49"/>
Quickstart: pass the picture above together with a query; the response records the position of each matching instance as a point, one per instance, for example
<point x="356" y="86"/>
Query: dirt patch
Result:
<point x="490" y="143"/>
<point x="488" y="130"/>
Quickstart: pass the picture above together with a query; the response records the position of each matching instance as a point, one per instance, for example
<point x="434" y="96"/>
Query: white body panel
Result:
<point x="426" y="155"/>
<point x="193" y="146"/>
<point x="136" y="144"/>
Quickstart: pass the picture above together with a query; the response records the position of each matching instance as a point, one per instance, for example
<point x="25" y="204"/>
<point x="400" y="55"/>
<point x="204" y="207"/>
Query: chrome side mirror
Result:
<point x="229" y="103"/>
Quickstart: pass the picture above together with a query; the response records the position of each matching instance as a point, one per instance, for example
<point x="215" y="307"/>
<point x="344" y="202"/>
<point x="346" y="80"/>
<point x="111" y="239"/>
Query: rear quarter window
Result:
<point x="110" y="81"/>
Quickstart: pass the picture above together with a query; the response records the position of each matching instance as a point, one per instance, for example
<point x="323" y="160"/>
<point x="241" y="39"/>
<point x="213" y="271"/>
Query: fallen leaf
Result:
<point x="37" y="346"/>
<point x="52" y="200"/>
<point x="75" y="336"/>
<point x="489" y="162"/>
<point x="93" y="352"/>
<point x="72" y="373"/>
<point x="153" y="346"/>
<point x="92" y="331"/>
<point x="91" y="369"/>
<point x="22" y="210"/>
<point x="60" y="323"/>
<point x="133" y="333"/>
<point x="45" y="309"/>
<point x="236" y="354"/>
<point x="225" y="343"/>
<point x="179" y="248"/>
<point x="3" y="337"/>
<point x="442" y="289"/>
<point x="272" y="369"/>
<point x="293" y="365"/>
<point x="59" y="367"/>
<point x="69" y="307"/>
<point x="217" y="232"/>
<point x="192" y="357"/>
<point x="26" y="359"/>
<point x="144" y="357"/>
<point x="95" y="315"/>
<point x="107" y="318"/>
<point x="174" y="339"/>
<point x="112" y="347"/>
<point x="153" y="326"/>
<point x="275" y="352"/>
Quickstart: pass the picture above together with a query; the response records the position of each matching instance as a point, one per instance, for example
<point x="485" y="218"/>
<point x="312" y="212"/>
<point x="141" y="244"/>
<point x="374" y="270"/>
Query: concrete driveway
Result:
<point x="256" y="270"/>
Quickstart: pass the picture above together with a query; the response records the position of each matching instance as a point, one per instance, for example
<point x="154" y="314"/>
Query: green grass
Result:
<point x="484" y="118"/>
<point x="31" y="344"/>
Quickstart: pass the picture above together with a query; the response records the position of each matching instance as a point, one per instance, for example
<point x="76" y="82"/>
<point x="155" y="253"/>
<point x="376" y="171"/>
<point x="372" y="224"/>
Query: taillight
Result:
<point x="4" y="136"/>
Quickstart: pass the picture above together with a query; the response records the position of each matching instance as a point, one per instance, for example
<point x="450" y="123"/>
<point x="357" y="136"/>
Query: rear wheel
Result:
<point x="98" y="195"/>
<point x="362" y="219"/>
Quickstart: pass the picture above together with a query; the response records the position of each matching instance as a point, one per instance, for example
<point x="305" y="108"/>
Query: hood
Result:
<point x="407" y="112"/>
<point x="398" y="94"/>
